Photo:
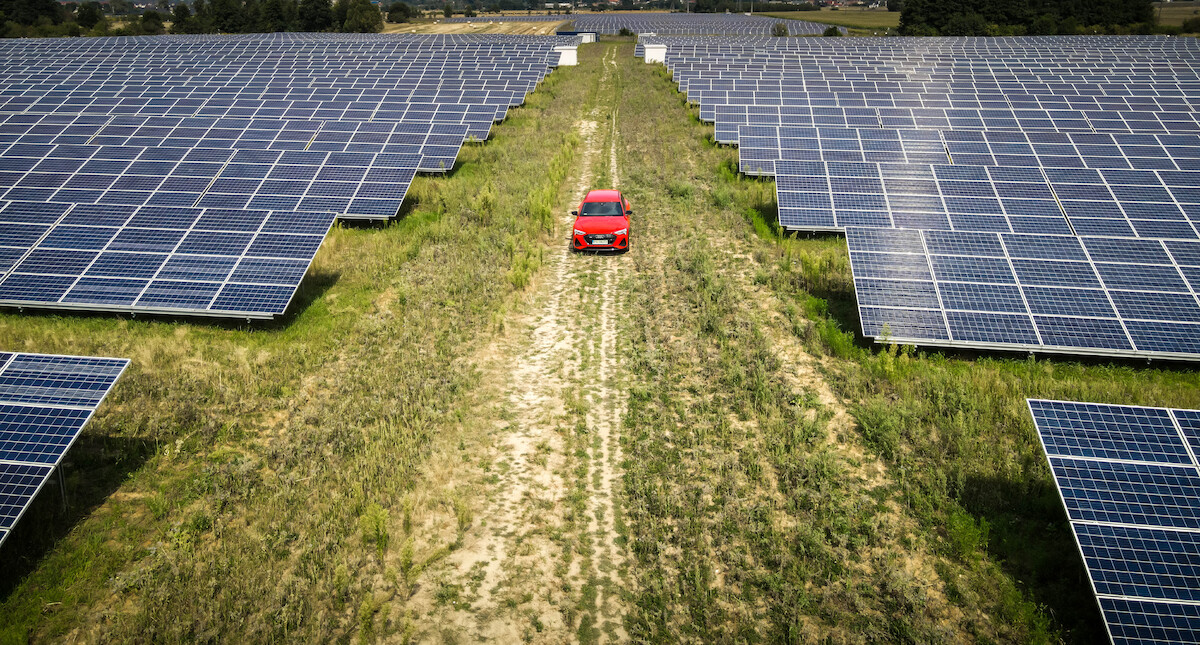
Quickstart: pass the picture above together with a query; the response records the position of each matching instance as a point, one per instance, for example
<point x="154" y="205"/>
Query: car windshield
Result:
<point x="602" y="209"/>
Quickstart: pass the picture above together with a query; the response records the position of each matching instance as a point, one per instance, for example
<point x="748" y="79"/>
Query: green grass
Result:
<point x="732" y="471"/>
<point x="867" y="20"/>
<point x="783" y="537"/>
<point x="249" y="483"/>
<point x="956" y="427"/>
<point x="256" y="483"/>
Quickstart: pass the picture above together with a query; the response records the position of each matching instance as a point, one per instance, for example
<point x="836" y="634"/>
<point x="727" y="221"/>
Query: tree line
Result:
<point x="45" y="18"/>
<point x="1024" y="17"/>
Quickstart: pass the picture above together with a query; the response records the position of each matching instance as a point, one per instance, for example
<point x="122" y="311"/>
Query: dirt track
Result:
<point x="544" y="561"/>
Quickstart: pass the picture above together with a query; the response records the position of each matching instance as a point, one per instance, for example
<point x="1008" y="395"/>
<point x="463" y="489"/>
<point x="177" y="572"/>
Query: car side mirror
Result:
<point x="575" y="213"/>
<point x="629" y="212"/>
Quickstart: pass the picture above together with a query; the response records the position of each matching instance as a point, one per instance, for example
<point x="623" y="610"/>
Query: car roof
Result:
<point x="607" y="195"/>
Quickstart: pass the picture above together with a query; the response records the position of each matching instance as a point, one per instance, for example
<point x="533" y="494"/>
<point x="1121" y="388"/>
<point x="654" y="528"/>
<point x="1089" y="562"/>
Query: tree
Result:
<point x="316" y="15"/>
<point x="965" y="24"/>
<point x="226" y="15"/>
<point x="202" y="22"/>
<point x="30" y="12"/>
<point x="779" y="29"/>
<point x="152" y="23"/>
<point x="252" y="18"/>
<point x="88" y="14"/>
<point x="1045" y="25"/>
<point x="363" y="17"/>
<point x="1040" y="17"/>
<point x="401" y="12"/>
<point x="181" y="19"/>
<point x="341" y="11"/>
<point x="447" y="10"/>
<point x="832" y="32"/>
<point x="280" y="15"/>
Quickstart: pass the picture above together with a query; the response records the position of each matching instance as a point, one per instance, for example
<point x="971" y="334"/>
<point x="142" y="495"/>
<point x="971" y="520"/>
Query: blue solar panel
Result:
<point x="1142" y="562"/>
<point x="161" y="259"/>
<point x="19" y="484"/>
<point x="45" y="401"/>
<point x="1138" y="622"/>
<point x="1025" y="291"/>
<point x="1130" y="482"/>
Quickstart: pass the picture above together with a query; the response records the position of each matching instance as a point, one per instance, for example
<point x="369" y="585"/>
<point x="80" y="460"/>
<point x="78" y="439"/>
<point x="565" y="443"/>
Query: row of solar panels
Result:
<point x="784" y="122"/>
<point x="1130" y="483"/>
<point x="44" y="403"/>
<point x="281" y="42"/>
<point x="1004" y="229"/>
<point x="924" y="48"/>
<point x="760" y="147"/>
<point x="197" y="215"/>
<point x="1028" y="292"/>
<point x="122" y="193"/>
<point x="663" y="23"/>
<point x="155" y="259"/>
<point x="994" y="176"/>
<point x="1022" y="227"/>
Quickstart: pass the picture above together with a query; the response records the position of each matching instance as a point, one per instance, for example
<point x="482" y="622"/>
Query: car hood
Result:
<point x="598" y="224"/>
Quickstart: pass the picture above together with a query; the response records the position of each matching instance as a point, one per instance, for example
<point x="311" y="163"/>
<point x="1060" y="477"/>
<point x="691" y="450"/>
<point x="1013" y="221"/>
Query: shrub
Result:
<point x="779" y="29"/>
<point x="832" y="32"/>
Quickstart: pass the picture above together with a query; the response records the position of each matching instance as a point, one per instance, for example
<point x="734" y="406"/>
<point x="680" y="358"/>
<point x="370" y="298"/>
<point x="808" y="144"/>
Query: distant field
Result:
<point x="1174" y="13"/>
<point x="856" y="18"/>
<point x="479" y="26"/>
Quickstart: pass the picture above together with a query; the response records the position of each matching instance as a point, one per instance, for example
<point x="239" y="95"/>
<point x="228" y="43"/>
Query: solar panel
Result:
<point x="1050" y="293"/>
<point x="821" y="195"/>
<point x="45" y="401"/>
<point x="761" y="146"/>
<point x="1130" y="483"/>
<point x="241" y="263"/>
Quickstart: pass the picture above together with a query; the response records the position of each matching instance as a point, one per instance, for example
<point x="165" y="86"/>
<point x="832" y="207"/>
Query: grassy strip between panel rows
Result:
<point x="245" y="483"/>
<point x="960" y="450"/>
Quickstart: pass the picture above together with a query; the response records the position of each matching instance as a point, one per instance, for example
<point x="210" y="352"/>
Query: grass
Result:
<point x="1175" y="13"/>
<point x="865" y="19"/>
<point x="740" y="471"/>
<point x="273" y="482"/>
<point x="251" y="483"/>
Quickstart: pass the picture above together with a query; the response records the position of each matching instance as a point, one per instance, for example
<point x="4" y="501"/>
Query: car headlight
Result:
<point x="621" y="232"/>
<point x="579" y="232"/>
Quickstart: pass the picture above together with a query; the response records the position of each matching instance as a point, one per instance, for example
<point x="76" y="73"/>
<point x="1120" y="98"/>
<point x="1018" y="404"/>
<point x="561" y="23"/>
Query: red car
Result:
<point x="602" y="222"/>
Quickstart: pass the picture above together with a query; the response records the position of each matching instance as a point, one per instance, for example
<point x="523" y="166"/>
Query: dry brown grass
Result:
<point x="480" y="25"/>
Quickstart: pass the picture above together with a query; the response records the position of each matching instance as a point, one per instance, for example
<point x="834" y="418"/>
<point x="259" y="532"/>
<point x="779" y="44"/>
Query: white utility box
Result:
<point x="656" y="53"/>
<point x="570" y="55"/>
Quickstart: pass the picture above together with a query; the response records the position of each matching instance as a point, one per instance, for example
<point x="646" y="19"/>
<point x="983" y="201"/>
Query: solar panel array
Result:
<point x="974" y="147"/>
<point x="45" y="401"/>
<point x="410" y="101"/>
<point x="199" y="175"/>
<point x="241" y="263"/>
<point x="761" y="146"/>
<point x="1130" y="482"/>
<point x="1029" y="292"/>
<point x="663" y="23"/>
